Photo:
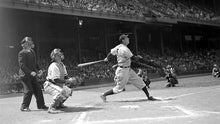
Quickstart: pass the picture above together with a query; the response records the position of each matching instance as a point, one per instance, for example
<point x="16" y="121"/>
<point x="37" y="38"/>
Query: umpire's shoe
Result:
<point x="27" y="109"/>
<point x="43" y="107"/>
<point x="103" y="98"/>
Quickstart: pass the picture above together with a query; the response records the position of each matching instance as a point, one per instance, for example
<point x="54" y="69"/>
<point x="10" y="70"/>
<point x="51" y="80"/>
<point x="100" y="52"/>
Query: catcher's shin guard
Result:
<point x="55" y="103"/>
<point x="52" y="108"/>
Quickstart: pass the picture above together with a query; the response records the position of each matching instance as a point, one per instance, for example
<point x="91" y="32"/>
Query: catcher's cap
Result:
<point x="56" y="51"/>
<point x="122" y="37"/>
<point x="26" y="39"/>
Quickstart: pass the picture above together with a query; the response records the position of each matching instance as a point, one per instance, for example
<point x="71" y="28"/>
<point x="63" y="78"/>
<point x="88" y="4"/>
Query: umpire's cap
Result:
<point x="26" y="39"/>
<point x="122" y="37"/>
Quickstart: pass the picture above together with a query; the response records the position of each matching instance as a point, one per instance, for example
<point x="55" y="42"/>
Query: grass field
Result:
<point x="194" y="101"/>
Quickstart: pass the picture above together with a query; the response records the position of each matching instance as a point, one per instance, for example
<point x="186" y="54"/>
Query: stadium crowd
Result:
<point x="185" y="62"/>
<point x="182" y="62"/>
<point x="179" y="10"/>
<point x="136" y="8"/>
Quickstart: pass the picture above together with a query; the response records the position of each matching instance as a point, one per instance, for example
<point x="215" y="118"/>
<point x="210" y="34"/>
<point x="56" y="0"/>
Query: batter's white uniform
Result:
<point x="55" y="71"/>
<point x="124" y="74"/>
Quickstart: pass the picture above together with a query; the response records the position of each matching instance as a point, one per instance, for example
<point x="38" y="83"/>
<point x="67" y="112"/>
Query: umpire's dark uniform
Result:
<point x="27" y="64"/>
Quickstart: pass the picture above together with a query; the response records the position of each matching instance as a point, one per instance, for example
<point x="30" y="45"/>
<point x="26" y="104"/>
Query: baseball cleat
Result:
<point x="103" y="98"/>
<point x="151" y="98"/>
<point x="53" y="111"/>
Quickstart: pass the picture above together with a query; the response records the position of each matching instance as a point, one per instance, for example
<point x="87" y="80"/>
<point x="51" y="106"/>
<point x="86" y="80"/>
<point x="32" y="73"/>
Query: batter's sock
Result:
<point x="110" y="92"/>
<point x="146" y="91"/>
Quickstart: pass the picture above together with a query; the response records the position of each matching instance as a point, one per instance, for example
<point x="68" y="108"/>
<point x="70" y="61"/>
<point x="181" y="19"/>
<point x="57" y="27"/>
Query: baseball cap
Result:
<point x="56" y="51"/>
<point x="26" y="39"/>
<point x="123" y="36"/>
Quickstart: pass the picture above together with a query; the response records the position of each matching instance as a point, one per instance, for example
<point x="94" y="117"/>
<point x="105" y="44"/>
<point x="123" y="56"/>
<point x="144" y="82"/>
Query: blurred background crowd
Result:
<point x="139" y="8"/>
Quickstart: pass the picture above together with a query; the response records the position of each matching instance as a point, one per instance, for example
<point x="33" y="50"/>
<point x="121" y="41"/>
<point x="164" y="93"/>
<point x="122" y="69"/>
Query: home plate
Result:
<point x="130" y="106"/>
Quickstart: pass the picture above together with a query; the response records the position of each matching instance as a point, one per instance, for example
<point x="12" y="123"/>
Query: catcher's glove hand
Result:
<point x="72" y="82"/>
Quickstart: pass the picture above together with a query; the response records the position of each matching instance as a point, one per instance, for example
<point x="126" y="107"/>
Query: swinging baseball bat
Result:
<point x="89" y="63"/>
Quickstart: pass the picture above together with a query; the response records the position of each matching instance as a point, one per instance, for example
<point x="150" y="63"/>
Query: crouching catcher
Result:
<point x="58" y="84"/>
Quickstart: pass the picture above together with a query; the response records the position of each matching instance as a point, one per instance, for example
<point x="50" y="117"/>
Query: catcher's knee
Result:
<point x="58" y="101"/>
<point x="66" y="91"/>
<point x="60" y="98"/>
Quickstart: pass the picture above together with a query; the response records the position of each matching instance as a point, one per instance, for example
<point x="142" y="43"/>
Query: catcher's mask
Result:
<point x="55" y="52"/>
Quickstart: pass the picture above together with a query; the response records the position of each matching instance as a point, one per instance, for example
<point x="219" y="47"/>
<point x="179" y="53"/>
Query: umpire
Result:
<point x="28" y="71"/>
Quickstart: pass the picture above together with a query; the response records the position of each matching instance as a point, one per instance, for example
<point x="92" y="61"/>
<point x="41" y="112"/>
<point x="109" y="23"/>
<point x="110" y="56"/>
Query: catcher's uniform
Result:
<point x="124" y="74"/>
<point x="58" y="91"/>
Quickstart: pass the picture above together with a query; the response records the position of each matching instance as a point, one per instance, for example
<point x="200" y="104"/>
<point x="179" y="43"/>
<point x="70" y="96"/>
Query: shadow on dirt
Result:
<point x="70" y="109"/>
<point x="146" y="100"/>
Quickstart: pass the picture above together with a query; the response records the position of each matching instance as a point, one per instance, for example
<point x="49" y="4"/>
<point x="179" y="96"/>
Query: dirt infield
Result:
<point x="194" y="101"/>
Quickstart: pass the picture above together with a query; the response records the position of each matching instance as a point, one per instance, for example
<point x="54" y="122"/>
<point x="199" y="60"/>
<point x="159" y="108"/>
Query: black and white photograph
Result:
<point x="109" y="61"/>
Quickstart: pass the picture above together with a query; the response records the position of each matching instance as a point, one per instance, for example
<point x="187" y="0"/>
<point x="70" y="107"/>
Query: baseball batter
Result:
<point x="124" y="74"/>
<point x="56" y="77"/>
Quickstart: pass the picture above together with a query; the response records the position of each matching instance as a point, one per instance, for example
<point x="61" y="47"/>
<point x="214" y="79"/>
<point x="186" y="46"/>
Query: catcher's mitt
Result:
<point x="72" y="82"/>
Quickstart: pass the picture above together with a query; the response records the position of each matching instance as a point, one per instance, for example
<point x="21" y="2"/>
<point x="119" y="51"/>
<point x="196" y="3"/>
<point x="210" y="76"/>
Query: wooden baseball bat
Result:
<point x="89" y="63"/>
